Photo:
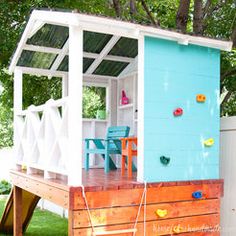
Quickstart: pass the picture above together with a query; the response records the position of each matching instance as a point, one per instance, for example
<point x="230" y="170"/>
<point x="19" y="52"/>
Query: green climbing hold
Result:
<point x="165" y="160"/>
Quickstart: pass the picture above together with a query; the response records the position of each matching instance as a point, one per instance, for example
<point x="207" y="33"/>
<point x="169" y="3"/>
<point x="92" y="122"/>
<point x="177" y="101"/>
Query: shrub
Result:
<point x="5" y="187"/>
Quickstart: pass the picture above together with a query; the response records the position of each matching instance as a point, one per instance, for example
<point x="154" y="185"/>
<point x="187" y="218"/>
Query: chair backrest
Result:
<point x="116" y="132"/>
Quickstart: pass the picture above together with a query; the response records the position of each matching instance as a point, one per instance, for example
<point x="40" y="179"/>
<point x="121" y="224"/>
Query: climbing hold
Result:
<point x="161" y="213"/>
<point x="197" y="194"/>
<point x="178" y="112"/>
<point x="177" y="229"/>
<point x="209" y="142"/>
<point x="201" y="98"/>
<point x="165" y="160"/>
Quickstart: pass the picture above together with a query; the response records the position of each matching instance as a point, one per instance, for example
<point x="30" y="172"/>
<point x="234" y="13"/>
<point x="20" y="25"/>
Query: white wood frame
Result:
<point x="110" y="26"/>
<point x="62" y="53"/>
<point x="18" y="90"/>
<point x="140" y="158"/>
<point x="75" y="105"/>
<point x="103" y="54"/>
<point x="65" y="50"/>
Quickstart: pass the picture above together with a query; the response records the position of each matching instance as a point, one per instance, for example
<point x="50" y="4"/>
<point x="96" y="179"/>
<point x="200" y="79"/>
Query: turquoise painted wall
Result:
<point x="173" y="75"/>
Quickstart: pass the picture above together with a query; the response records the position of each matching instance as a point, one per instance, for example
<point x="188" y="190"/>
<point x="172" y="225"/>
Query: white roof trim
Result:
<point x="109" y="26"/>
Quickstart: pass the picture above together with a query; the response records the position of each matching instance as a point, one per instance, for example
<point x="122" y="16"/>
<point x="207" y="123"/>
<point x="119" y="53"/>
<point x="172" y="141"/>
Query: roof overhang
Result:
<point x="107" y="26"/>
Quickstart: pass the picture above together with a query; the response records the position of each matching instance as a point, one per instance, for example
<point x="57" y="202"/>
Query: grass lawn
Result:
<point x="43" y="223"/>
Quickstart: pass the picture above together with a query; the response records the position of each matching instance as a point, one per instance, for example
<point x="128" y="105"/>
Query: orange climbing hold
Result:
<point x="201" y="98"/>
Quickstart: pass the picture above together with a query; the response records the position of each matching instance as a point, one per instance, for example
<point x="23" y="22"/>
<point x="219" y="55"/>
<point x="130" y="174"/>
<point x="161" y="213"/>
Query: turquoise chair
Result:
<point x="105" y="147"/>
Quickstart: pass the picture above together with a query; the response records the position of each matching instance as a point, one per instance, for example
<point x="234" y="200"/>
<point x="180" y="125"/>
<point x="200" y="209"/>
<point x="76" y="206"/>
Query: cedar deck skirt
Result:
<point x="114" y="205"/>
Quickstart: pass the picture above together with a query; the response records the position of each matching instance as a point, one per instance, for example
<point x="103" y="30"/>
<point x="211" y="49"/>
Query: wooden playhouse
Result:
<point x="171" y="81"/>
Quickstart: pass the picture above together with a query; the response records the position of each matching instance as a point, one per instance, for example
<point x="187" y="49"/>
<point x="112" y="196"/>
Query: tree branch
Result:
<point x="149" y="14"/>
<point x="228" y="73"/>
<point x="206" y="8"/>
<point x="227" y="97"/>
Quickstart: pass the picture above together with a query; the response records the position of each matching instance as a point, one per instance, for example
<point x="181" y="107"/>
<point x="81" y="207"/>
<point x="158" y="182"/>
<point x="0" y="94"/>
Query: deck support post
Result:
<point x="17" y="196"/>
<point x="75" y="87"/>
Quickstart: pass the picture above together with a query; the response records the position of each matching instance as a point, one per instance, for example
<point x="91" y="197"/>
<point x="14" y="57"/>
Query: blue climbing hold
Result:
<point x="197" y="194"/>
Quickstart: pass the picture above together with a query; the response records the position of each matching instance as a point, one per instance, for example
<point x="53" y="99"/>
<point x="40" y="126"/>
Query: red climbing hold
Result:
<point x="178" y="112"/>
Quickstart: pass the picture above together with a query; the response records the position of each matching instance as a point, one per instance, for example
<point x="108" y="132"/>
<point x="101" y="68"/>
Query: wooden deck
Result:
<point x="114" y="202"/>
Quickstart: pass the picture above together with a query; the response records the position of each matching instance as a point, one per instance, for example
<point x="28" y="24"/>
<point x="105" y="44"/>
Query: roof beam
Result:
<point x="63" y="52"/>
<point x="55" y="17"/>
<point x="108" y="57"/>
<point x="50" y="73"/>
<point x="130" y="68"/>
<point x="41" y="72"/>
<point x="22" y="42"/>
<point x="42" y="49"/>
<point x="37" y="26"/>
<point x="103" y="54"/>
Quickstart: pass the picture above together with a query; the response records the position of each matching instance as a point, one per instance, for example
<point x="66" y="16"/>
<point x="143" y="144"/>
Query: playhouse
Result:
<point x="161" y="110"/>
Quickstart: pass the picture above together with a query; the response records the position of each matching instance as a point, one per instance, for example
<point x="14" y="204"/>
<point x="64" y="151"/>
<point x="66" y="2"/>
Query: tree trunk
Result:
<point x="198" y="17"/>
<point x="116" y="4"/>
<point x="182" y="15"/>
<point x="132" y="8"/>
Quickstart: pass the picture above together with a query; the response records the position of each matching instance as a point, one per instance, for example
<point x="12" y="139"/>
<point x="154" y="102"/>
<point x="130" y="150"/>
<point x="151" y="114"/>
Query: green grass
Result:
<point x="44" y="223"/>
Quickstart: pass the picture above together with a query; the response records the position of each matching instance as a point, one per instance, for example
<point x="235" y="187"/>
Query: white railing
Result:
<point x="41" y="138"/>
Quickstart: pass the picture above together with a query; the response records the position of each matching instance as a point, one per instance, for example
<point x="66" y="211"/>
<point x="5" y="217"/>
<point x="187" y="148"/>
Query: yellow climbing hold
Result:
<point x="161" y="213"/>
<point x="209" y="142"/>
<point x="177" y="229"/>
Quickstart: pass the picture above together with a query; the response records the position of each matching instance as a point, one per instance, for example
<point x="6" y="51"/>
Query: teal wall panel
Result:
<point x="173" y="75"/>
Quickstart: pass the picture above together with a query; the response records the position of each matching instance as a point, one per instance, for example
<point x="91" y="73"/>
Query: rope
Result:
<point x="144" y="198"/>
<point x="87" y="207"/>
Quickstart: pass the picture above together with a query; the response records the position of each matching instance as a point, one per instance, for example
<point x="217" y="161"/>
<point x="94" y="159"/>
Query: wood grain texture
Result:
<point x="47" y="190"/>
<point x="158" y="194"/>
<point x="206" y="223"/>
<point x="122" y="215"/>
<point x="17" y="208"/>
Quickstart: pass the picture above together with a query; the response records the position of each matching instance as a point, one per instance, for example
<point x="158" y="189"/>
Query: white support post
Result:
<point x="64" y="86"/>
<point x="18" y="84"/>
<point x="140" y="159"/>
<point x="75" y="105"/>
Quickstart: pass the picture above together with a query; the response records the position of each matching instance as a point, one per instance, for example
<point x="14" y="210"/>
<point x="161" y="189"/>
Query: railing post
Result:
<point x="75" y="105"/>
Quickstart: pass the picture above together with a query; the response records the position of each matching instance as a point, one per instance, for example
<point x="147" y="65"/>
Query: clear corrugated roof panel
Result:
<point x="86" y="63"/>
<point x="36" y="59"/>
<point x="110" y="68"/>
<point x="95" y="42"/>
<point x="125" y="47"/>
<point x="53" y="36"/>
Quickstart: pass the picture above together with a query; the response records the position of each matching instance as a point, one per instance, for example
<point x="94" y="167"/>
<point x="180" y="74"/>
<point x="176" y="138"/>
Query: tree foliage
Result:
<point x="94" y="99"/>
<point x="211" y="18"/>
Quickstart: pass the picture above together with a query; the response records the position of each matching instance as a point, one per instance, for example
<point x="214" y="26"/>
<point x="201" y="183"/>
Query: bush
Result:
<point x="5" y="187"/>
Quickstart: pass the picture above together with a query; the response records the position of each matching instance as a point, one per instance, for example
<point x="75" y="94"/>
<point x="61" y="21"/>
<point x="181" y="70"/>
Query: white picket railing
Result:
<point x="41" y="138"/>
